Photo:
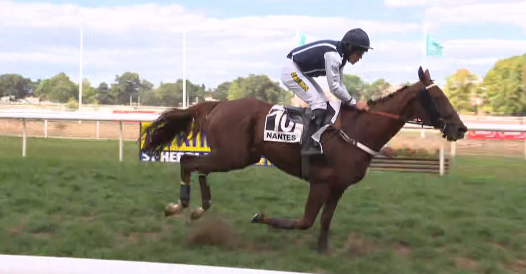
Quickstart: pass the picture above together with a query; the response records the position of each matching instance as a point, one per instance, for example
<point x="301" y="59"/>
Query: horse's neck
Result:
<point x="387" y="127"/>
<point x="374" y="130"/>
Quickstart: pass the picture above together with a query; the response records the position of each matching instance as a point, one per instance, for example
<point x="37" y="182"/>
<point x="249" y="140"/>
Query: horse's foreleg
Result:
<point x="326" y="217"/>
<point x="317" y="195"/>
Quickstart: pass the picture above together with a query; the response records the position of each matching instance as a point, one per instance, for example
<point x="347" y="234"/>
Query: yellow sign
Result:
<point x="195" y="144"/>
<point x="179" y="146"/>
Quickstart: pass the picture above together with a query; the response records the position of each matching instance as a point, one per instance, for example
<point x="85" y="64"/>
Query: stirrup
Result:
<point x="313" y="148"/>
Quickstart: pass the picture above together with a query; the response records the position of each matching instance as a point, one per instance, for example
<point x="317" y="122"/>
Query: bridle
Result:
<point x="429" y="107"/>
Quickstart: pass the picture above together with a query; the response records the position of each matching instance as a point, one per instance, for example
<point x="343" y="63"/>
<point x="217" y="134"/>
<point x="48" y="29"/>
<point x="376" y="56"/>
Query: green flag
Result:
<point x="433" y="47"/>
<point x="302" y="39"/>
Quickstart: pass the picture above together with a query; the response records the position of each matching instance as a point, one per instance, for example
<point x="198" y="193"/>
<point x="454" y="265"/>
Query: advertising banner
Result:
<point x="196" y="145"/>
<point x="496" y="135"/>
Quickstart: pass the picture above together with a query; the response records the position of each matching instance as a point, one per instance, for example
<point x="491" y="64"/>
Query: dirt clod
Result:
<point x="359" y="247"/>
<point x="212" y="231"/>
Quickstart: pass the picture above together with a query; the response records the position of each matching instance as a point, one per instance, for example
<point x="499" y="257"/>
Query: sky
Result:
<point x="231" y="38"/>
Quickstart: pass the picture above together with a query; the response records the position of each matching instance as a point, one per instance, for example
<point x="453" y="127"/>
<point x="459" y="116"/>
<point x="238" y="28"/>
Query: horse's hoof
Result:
<point x="173" y="209"/>
<point x="197" y="213"/>
<point x="257" y="218"/>
<point x="323" y="248"/>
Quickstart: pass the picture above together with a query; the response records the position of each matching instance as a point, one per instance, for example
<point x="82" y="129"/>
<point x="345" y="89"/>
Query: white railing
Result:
<point x="21" y="264"/>
<point x="76" y="116"/>
<point x="144" y="117"/>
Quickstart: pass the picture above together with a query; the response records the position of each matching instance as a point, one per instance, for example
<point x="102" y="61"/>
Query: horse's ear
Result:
<point x="428" y="76"/>
<point x="420" y="73"/>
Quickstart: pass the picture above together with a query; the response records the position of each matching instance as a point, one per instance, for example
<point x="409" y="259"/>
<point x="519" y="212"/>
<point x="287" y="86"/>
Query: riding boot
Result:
<point x="311" y="147"/>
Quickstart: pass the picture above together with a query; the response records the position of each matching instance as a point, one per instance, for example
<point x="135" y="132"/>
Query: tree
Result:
<point x="221" y="92"/>
<point x="374" y="89"/>
<point x="171" y="94"/>
<point x="90" y="94"/>
<point x="58" y="88"/>
<point x="460" y="88"/>
<point x="15" y="86"/>
<point x="505" y="86"/>
<point x="104" y="95"/>
<point x="259" y="86"/>
<point x="235" y="91"/>
<point x="127" y="87"/>
<point x="193" y="91"/>
<point x="354" y="85"/>
<point x="168" y="94"/>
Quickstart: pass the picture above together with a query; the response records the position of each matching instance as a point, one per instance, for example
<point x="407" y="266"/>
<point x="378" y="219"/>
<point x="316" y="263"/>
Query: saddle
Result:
<point x="302" y="115"/>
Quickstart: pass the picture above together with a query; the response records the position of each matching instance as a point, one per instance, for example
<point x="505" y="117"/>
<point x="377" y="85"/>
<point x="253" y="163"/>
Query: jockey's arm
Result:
<point x="335" y="78"/>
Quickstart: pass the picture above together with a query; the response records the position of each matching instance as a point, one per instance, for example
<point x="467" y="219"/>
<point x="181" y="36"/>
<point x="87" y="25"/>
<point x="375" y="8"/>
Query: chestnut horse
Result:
<point x="235" y="136"/>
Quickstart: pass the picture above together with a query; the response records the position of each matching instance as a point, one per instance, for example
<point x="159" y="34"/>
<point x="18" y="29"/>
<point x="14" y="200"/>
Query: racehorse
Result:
<point x="236" y="132"/>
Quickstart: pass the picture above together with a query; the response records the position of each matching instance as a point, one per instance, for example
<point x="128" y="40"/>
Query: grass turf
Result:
<point x="73" y="198"/>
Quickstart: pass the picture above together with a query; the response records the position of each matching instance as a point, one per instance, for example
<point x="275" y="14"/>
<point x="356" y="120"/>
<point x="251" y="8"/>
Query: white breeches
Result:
<point x="303" y="86"/>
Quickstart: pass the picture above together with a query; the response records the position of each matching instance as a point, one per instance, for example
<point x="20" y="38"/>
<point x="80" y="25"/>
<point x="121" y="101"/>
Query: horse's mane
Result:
<point x="385" y="98"/>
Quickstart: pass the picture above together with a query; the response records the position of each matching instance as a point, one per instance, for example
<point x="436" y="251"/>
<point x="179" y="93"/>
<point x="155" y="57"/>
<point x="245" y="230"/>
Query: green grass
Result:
<point x="73" y="198"/>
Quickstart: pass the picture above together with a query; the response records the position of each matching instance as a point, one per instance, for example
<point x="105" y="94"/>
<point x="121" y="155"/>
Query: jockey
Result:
<point x="323" y="58"/>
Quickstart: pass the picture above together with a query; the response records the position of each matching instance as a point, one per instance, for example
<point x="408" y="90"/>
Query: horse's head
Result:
<point x="432" y="106"/>
<point x="422" y="100"/>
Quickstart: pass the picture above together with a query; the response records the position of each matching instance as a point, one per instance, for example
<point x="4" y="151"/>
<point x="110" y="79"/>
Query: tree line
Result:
<point x="129" y="88"/>
<point x="501" y="91"/>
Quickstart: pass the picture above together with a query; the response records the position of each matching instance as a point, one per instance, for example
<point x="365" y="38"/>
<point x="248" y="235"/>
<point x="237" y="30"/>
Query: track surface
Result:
<point x="72" y="198"/>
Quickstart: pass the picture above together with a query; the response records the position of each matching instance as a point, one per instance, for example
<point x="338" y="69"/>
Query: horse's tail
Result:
<point x="175" y="122"/>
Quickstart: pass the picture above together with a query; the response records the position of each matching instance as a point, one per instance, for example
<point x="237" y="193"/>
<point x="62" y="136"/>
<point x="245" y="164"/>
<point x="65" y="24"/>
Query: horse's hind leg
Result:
<point x="185" y="189"/>
<point x="206" y="197"/>
<point x="213" y="162"/>
<point x="184" y="200"/>
<point x="317" y="196"/>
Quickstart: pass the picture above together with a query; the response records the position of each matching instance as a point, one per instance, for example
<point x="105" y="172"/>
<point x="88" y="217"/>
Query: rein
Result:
<point x="394" y="116"/>
<point x="386" y="114"/>
<point x="363" y="147"/>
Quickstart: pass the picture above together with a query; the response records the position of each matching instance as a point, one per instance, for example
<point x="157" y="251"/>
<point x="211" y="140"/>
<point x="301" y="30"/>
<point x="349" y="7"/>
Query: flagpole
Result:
<point x="424" y="57"/>
<point x="185" y="102"/>
<point x="297" y="34"/>
<point x="80" y="68"/>
<point x="424" y="52"/>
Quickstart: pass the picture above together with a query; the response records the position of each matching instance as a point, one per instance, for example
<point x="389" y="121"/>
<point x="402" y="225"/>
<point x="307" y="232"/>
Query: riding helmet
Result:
<point x="357" y="37"/>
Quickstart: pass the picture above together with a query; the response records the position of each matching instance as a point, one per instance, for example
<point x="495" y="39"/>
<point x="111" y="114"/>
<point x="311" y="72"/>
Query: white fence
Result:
<point x="143" y="117"/>
<point x="16" y="264"/>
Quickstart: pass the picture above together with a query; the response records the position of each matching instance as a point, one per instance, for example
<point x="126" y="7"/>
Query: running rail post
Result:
<point x="120" y="141"/>
<point x="441" y="168"/>
<point x="24" y="138"/>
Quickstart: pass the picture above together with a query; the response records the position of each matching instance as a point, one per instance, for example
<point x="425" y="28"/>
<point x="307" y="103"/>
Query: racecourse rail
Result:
<point x="46" y="265"/>
<point x="148" y="117"/>
<point x="22" y="264"/>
